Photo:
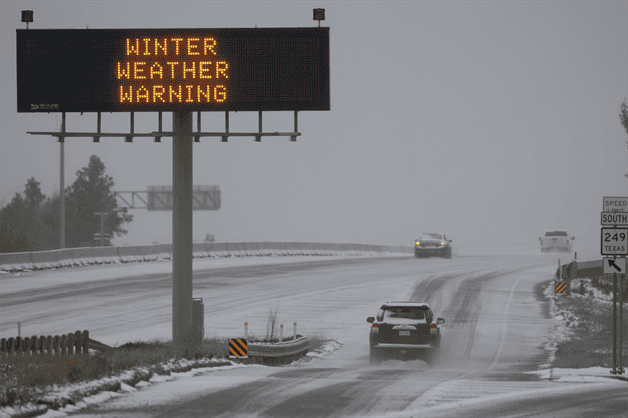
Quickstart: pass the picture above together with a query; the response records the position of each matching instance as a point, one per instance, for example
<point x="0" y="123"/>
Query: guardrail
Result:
<point x="590" y="268"/>
<point x="57" y="346"/>
<point x="286" y="348"/>
<point x="101" y="255"/>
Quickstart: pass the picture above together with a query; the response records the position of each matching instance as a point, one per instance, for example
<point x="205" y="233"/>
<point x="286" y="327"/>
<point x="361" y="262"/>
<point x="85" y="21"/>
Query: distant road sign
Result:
<point x="614" y="219"/>
<point x="614" y="241"/>
<point x="614" y="265"/>
<point x="615" y="204"/>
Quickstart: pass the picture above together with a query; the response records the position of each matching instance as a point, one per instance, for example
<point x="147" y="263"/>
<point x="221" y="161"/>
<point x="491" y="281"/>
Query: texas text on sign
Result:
<point x="122" y="70"/>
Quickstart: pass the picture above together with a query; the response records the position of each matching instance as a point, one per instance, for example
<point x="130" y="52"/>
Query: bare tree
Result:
<point x="272" y="324"/>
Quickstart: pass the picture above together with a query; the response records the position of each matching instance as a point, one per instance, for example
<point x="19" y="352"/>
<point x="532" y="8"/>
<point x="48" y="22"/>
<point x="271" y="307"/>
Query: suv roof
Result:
<point x="406" y="303"/>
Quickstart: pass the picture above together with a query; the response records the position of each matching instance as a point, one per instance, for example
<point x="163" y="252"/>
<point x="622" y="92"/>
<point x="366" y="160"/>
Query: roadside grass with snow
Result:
<point x="29" y="388"/>
<point x="582" y="333"/>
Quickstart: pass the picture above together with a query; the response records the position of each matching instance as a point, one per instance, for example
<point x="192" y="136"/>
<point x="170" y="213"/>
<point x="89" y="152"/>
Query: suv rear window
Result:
<point x="430" y="236"/>
<point x="556" y="234"/>
<point x="401" y="314"/>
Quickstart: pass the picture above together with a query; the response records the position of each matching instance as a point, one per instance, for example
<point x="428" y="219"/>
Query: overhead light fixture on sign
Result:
<point x="27" y="16"/>
<point x="319" y="14"/>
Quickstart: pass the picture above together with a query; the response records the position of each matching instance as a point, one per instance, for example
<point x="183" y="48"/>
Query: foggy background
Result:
<point x="489" y="121"/>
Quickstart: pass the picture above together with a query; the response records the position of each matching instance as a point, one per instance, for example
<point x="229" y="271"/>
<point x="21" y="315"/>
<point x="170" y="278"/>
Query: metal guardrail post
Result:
<point x="295" y="332"/>
<point x="281" y="334"/>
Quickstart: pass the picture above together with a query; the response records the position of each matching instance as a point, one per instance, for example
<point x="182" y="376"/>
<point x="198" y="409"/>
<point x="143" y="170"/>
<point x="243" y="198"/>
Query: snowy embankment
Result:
<point x="62" y="400"/>
<point x="566" y="323"/>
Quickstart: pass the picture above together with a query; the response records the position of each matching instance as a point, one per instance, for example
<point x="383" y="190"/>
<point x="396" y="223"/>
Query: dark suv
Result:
<point x="405" y="330"/>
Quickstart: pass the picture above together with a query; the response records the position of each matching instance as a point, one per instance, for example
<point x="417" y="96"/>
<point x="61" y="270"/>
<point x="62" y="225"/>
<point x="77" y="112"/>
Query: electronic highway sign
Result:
<point x="122" y="70"/>
<point x="614" y="241"/>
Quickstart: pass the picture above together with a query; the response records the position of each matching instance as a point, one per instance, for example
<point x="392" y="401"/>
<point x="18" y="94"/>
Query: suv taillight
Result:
<point x="375" y="329"/>
<point x="433" y="328"/>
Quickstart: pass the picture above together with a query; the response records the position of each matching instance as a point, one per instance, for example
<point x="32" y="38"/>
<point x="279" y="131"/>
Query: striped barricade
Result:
<point x="238" y="348"/>
<point x="560" y="287"/>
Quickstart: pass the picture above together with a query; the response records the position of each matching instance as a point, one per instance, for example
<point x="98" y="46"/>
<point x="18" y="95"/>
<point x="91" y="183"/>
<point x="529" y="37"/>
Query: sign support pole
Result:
<point x="62" y="185"/>
<point x="614" y="371"/>
<point x="621" y="322"/>
<point x="182" y="231"/>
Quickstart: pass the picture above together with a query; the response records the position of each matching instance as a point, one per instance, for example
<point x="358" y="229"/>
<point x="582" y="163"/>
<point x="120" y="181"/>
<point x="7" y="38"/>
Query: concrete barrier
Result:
<point x="107" y="255"/>
<point x="16" y="261"/>
<point x="237" y="249"/>
<point x="97" y="255"/>
<point x="65" y="257"/>
<point x="254" y="249"/>
<point x="217" y="249"/>
<point x="45" y="259"/>
<point x="129" y="254"/>
<point x="163" y="251"/>
<point x="82" y="256"/>
<point x="199" y="250"/>
<point x="151" y="253"/>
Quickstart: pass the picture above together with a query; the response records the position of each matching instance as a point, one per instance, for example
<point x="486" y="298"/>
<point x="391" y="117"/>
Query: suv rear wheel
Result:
<point x="376" y="358"/>
<point x="433" y="353"/>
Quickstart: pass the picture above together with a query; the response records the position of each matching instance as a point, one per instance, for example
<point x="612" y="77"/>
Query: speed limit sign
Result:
<point x="614" y="241"/>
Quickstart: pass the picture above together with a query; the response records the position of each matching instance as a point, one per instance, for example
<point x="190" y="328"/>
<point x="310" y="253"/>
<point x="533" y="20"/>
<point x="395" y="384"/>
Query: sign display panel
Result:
<point x="203" y="198"/>
<point x="614" y="241"/>
<point x="122" y="70"/>
<point x="615" y="204"/>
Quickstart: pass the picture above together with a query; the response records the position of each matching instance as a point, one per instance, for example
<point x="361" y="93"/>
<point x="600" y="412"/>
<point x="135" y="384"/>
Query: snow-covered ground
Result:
<point x="318" y="299"/>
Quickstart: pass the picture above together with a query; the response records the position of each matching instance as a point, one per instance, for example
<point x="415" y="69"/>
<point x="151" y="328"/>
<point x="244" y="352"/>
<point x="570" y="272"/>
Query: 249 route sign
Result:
<point x="141" y="70"/>
<point x="614" y="241"/>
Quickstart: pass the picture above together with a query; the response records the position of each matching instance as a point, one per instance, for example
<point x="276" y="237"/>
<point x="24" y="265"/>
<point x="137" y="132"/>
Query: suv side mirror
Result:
<point x="440" y="321"/>
<point x="449" y="240"/>
<point x="573" y="237"/>
<point x="370" y="319"/>
<point x="539" y="238"/>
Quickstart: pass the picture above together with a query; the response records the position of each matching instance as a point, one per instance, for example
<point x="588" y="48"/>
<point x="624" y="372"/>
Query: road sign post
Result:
<point x="182" y="231"/>
<point x="621" y="322"/>
<point x="614" y="371"/>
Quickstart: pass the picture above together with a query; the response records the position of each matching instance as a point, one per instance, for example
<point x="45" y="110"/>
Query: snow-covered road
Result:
<point x="495" y="330"/>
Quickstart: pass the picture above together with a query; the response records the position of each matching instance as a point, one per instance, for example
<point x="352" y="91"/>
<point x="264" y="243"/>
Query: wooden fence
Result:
<point x="49" y="346"/>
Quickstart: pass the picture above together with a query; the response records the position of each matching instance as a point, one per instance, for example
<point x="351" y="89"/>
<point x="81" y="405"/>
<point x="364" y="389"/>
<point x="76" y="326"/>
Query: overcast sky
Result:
<point x="489" y="121"/>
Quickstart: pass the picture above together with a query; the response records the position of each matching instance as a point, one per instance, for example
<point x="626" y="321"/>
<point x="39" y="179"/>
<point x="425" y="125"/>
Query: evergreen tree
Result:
<point x="33" y="198"/>
<point x="13" y="227"/>
<point x="90" y="194"/>
<point x="623" y="115"/>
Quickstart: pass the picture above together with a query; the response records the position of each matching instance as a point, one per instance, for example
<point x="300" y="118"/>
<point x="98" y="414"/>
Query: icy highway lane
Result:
<point x="496" y="327"/>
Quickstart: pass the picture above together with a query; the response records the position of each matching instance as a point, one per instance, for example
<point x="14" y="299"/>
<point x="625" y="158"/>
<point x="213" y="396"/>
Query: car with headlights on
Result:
<point x="432" y="245"/>
<point x="404" y="330"/>
<point x="556" y="240"/>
